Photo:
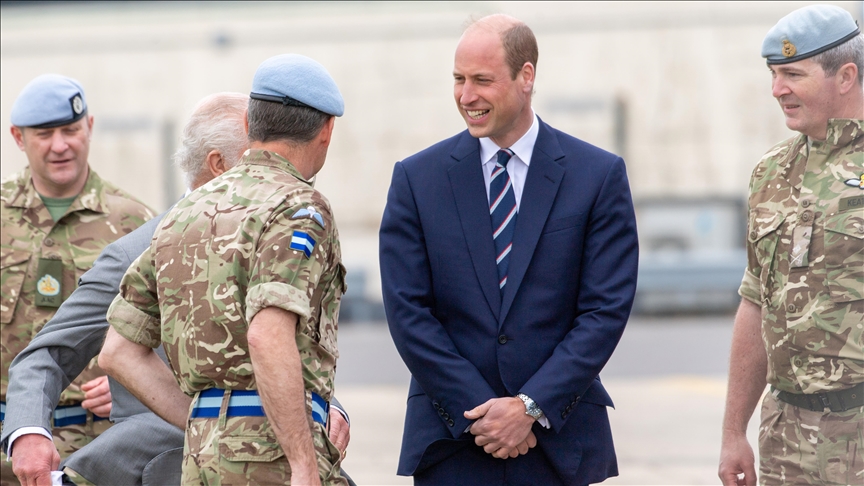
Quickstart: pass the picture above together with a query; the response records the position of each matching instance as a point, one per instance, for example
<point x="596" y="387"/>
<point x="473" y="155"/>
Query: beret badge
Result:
<point x="77" y="104"/>
<point x="788" y="48"/>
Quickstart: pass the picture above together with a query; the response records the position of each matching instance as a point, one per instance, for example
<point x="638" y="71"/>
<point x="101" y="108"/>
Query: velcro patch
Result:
<point x="311" y="213"/>
<point x="854" y="202"/>
<point x="302" y="242"/>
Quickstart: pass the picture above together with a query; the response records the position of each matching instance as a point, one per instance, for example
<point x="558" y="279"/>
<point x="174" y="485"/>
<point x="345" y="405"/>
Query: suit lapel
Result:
<point x="541" y="187"/>
<point x="469" y="192"/>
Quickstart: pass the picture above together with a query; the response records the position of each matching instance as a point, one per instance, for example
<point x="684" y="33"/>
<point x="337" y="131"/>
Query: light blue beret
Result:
<point x="292" y="78"/>
<point x="808" y="31"/>
<point x="50" y="100"/>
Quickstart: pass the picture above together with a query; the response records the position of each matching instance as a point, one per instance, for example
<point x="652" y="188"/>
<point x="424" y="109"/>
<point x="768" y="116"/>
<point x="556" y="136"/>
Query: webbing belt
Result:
<point x="836" y="401"/>
<point x="63" y="416"/>
<point x="247" y="403"/>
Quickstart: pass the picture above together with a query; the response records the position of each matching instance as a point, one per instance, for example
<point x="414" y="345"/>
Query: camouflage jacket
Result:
<point x="101" y="214"/>
<point x="805" y="259"/>
<point x="258" y="236"/>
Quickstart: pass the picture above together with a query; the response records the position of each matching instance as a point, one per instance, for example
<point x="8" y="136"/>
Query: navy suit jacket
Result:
<point x="568" y="296"/>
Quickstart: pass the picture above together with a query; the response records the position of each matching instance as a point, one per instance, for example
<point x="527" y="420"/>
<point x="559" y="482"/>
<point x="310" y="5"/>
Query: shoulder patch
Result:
<point x="303" y="242"/>
<point x="309" y="212"/>
<point x="859" y="183"/>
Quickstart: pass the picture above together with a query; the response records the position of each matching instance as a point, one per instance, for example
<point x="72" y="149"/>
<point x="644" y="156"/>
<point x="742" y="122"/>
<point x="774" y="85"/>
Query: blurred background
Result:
<point x="677" y="88"/>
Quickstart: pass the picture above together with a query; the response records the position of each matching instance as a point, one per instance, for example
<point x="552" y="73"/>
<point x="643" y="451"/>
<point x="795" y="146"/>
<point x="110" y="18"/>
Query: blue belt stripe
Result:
<point x="63" y="416"/>
<point x="320" y="409"/>
<point x="72" y="415"/>
<point x="247" y="403"/>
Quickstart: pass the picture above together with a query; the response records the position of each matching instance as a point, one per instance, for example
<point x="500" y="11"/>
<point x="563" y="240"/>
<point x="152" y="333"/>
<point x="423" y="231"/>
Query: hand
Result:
<point x="524" y="446"/>
<point x="736" y="457"/>
<point x="502" y="426"/>
<point x="33" y="459"/>
<point x="340" y="431"/>
<point x="97" y="396"/>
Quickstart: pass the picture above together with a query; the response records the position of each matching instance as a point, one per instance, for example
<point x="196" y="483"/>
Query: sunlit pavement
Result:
<point x="667" y="379"/>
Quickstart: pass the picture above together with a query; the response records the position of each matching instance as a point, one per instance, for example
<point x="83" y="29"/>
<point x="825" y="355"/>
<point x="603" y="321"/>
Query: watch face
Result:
<point x="531" y="407"/>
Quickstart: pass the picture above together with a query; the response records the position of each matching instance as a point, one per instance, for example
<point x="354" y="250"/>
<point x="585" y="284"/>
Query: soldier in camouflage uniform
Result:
<point x="57" y="215"/>
<point x="803" y="289"/>
<point x="242" y="285"/>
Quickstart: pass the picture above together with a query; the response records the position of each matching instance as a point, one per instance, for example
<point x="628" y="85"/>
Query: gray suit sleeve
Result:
<point x="63" y="348"/>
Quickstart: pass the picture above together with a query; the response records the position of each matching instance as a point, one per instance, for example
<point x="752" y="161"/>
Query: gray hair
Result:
<point x="215" y="124"/>
<point x="850" y="51"/>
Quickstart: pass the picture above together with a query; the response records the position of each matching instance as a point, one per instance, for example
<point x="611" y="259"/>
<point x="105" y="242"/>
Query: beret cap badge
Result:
<point x="77" y="104"/>
<point x="788" y="48"/>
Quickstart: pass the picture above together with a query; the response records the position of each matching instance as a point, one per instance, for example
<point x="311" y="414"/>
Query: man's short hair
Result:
<point x="850" y="51"/>
<point x="520" y="46"/>
<point x="216" y="124"/>
<point x="270" y="121"/>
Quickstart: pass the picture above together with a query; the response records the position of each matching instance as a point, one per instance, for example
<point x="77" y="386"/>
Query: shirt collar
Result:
<point x="272" y="159"/>
<point x="92" y="195"/>
<point x="523" y="148"/>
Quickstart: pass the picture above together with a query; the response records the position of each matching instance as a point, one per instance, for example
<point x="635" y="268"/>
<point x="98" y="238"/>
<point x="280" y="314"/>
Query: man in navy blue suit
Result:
<point x="508" y="262"/>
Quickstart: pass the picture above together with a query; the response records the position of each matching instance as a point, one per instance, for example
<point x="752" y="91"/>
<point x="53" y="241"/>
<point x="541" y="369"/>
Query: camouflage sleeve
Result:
<point x="289" y="258"/>
<point x="750" y="288"/>
<point x="134" y="314"/>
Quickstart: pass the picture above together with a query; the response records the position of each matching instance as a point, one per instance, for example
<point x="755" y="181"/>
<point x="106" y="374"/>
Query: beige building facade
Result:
<point x="678" y="88"/>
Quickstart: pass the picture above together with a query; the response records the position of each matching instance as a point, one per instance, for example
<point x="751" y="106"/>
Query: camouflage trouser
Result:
<point x="67" y="440"/>
<point x="798" y="446"/>
<point x="227" y="451"/>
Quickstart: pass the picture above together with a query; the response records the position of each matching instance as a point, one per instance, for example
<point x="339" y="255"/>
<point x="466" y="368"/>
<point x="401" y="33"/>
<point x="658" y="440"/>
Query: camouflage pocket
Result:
<point x="329" y="457"/>
<point x="250" y="449"/>
<point x="769" y="417"/>
<point x="13" y="269"/>
<point x="763" y="237"/>
<point x="844" y="256"/>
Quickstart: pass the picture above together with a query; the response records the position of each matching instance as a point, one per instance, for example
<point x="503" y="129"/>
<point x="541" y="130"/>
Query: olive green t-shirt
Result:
<point x="57" y="206"/>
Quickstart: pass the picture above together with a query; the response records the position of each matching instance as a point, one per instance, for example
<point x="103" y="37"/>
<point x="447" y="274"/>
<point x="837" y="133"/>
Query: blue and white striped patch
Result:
<point x="302" y="242"/>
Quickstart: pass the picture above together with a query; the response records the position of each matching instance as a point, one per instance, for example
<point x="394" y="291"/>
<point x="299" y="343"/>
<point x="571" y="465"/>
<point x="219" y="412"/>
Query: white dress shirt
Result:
<point x="517" y="167"/>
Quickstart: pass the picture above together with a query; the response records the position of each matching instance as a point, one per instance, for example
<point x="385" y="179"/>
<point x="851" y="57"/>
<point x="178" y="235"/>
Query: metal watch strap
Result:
<point x="531" y="407"/>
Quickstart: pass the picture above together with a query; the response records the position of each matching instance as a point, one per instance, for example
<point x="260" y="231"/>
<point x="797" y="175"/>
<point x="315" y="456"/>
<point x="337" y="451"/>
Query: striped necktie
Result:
<point x="502" y="208"/>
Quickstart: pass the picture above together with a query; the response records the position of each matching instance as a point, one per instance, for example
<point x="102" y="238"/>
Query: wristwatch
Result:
<point x="531" y="407"/>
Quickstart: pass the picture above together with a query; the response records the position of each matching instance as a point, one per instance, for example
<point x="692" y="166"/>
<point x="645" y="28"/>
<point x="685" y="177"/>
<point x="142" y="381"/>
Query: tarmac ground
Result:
<point x="667" y="379"/>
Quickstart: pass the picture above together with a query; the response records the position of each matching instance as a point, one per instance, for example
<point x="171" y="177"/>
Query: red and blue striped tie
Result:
<point x="502" y="208"/>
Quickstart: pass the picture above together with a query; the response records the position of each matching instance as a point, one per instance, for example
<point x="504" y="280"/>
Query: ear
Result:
<point x="246" y="122"/>
<point x="89" y="126"/>
<point x="18" y="135"/>
<point x="847" y="77"/>
<point x="526" y="75"/>
<point x="326" y="132"/>
<point x="215" y="163"/>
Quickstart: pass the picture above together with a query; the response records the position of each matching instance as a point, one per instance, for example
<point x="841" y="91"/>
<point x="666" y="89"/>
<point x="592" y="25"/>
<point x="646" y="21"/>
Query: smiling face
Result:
<point x="807" y="97"/>
<point x="57" y="156"/>
<point x="492" y="103"/>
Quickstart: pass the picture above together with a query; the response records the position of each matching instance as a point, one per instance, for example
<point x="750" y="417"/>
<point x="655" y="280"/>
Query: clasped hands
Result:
<point x="502" y="428"/>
